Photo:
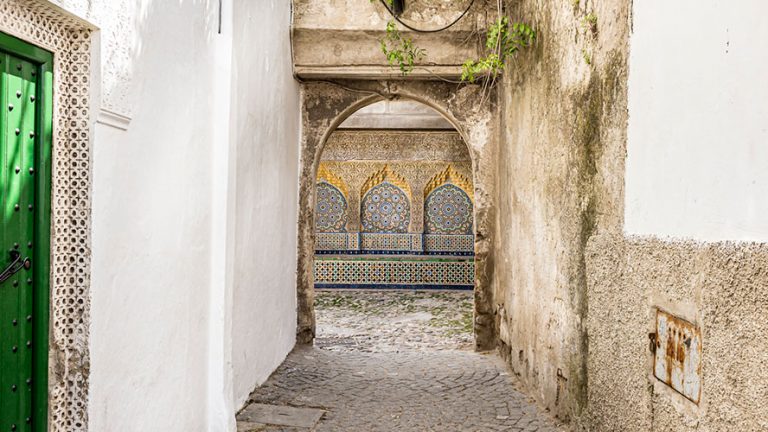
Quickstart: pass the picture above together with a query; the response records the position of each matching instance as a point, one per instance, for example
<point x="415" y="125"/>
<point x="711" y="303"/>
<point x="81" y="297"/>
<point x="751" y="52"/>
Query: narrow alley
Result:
<point x="383" y="215"/>
<point x="392" y="361"/>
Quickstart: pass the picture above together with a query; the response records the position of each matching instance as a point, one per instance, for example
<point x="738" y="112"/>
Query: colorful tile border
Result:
<point x="394" y="272"/>
<point x="376" y="243"/>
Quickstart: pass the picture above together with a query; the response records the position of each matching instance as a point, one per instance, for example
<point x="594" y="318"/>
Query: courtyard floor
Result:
<point x="392" y="361"/>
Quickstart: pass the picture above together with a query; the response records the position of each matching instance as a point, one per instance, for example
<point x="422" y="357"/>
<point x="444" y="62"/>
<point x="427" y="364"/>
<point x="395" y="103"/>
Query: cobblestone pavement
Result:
<point x="398" y="361"/>
<point x="389" y="321"/>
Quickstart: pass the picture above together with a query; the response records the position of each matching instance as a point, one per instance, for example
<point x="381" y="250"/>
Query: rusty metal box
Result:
<point x="677" y="358"/>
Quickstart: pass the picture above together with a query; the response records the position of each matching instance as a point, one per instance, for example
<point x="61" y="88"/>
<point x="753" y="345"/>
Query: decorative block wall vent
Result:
<point x="677" y="355"/>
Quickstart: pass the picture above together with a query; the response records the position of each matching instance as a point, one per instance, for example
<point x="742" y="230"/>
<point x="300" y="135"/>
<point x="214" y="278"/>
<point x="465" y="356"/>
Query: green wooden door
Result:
<point x="25" y="131"/>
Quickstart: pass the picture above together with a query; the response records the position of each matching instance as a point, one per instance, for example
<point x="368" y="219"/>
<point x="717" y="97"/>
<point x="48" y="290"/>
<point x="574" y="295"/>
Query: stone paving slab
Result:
<point x="280" y="415"/>
<point x="376" y="385"/>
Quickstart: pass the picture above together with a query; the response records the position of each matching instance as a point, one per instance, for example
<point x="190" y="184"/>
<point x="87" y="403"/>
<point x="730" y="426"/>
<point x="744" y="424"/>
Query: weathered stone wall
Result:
<point x="340" y="38"/>
<point x="718" y="286"/>
<point x="561" y="156"/>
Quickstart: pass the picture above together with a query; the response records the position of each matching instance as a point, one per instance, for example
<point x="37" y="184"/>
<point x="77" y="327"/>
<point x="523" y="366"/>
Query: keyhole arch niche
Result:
<point x="325" y="105"/>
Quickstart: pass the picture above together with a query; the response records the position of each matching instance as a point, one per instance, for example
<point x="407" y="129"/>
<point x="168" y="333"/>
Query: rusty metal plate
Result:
<point x="677" y="361"/>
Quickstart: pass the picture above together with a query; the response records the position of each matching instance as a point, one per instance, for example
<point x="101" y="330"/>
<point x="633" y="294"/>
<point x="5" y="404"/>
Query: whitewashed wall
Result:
<point x="697" y="162"/>
<point x="194" y="209"/>
<point x="151" y="232"/>
<point x="265" y="109"/>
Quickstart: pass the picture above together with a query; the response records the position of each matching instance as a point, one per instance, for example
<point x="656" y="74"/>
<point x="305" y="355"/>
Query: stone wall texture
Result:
<point x="561" y="156"/>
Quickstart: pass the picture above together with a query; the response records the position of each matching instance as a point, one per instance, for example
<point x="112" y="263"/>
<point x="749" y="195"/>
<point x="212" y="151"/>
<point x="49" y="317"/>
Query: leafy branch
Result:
<point x="400" y="50"/>
<point x="504" y="41"/>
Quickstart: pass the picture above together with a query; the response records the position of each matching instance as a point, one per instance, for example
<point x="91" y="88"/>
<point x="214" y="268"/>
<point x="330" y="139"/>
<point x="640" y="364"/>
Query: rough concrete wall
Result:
<point x="561" y="158"/>
<point x="719" y="286"/>
<point x="325" y="105"/>
<point x="265" y="110"/>
<point x="151" y="242"/>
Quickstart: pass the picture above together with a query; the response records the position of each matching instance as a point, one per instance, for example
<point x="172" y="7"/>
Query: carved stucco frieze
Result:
<point x="395" y="145"/>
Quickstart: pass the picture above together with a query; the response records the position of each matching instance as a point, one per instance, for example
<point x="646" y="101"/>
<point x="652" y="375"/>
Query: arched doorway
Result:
<point x="326" y="105"/>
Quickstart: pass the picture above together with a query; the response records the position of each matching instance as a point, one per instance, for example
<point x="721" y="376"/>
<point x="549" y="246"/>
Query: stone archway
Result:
<point x="326" y="104"/>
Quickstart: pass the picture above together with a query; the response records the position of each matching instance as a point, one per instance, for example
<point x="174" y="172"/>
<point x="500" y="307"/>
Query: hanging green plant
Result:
<point x="503" y="42"/>
<point x="400" y="49"/>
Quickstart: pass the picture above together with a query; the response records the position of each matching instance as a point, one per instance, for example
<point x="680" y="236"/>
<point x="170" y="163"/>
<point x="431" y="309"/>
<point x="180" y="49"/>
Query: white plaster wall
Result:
<point x="697" y="163"/>
<point x="151" y="231"/>
<point x="265" y="109"/>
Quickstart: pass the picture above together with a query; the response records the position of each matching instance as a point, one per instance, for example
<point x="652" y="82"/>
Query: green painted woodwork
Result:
<point x="26" y="105"/>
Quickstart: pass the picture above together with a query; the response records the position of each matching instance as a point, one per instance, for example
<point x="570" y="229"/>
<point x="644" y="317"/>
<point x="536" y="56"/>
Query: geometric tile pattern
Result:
<point x="449" y="243"/>
<point x="333" y="241"/>
<point x="448" y="210"/>
<point x="393" y="272"/>
<point x="386" y="242"/>
<point x="385" y="208"/>
<point x="330" y="210"/>
<point x="416" y="244"/>
<point x="355" y="176"/>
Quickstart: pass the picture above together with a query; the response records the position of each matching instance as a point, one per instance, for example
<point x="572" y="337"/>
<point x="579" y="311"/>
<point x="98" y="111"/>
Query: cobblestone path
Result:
<point x="398" y="361"/>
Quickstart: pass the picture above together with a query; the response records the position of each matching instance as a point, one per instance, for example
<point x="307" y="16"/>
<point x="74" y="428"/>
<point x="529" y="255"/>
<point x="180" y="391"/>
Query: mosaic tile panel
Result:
<point x="444" y="273"/>
<point x="446" y="243"/>
<point x="353" y="241"/>
<point x="416" y="244"/>
<point x="387" y="242"/>
<point x="448" y="210"/>
<point x="330" y="210"/>
<point x="417" y="174"/>
<point x="385" y="208"/>
<point x="333" y="241"/>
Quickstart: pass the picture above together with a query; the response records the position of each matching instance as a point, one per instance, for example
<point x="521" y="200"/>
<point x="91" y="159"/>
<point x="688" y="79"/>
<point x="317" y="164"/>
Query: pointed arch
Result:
<point x="385" y="208"/>
<point x="324" y="173"/>
<point x="448" y="210"/>
<point x="386" y="174"/>
<point x="450" y="175"/>
<point x="331" y="208"/>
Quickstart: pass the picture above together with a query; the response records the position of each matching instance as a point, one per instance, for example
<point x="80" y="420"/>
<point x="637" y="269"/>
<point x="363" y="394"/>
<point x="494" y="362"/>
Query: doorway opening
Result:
<point x="26" y="77"/>
<point x="394" y="232"/>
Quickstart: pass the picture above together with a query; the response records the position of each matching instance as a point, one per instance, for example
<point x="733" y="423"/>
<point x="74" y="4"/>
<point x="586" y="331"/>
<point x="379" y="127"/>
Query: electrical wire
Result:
<point x="409" y="27"/>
